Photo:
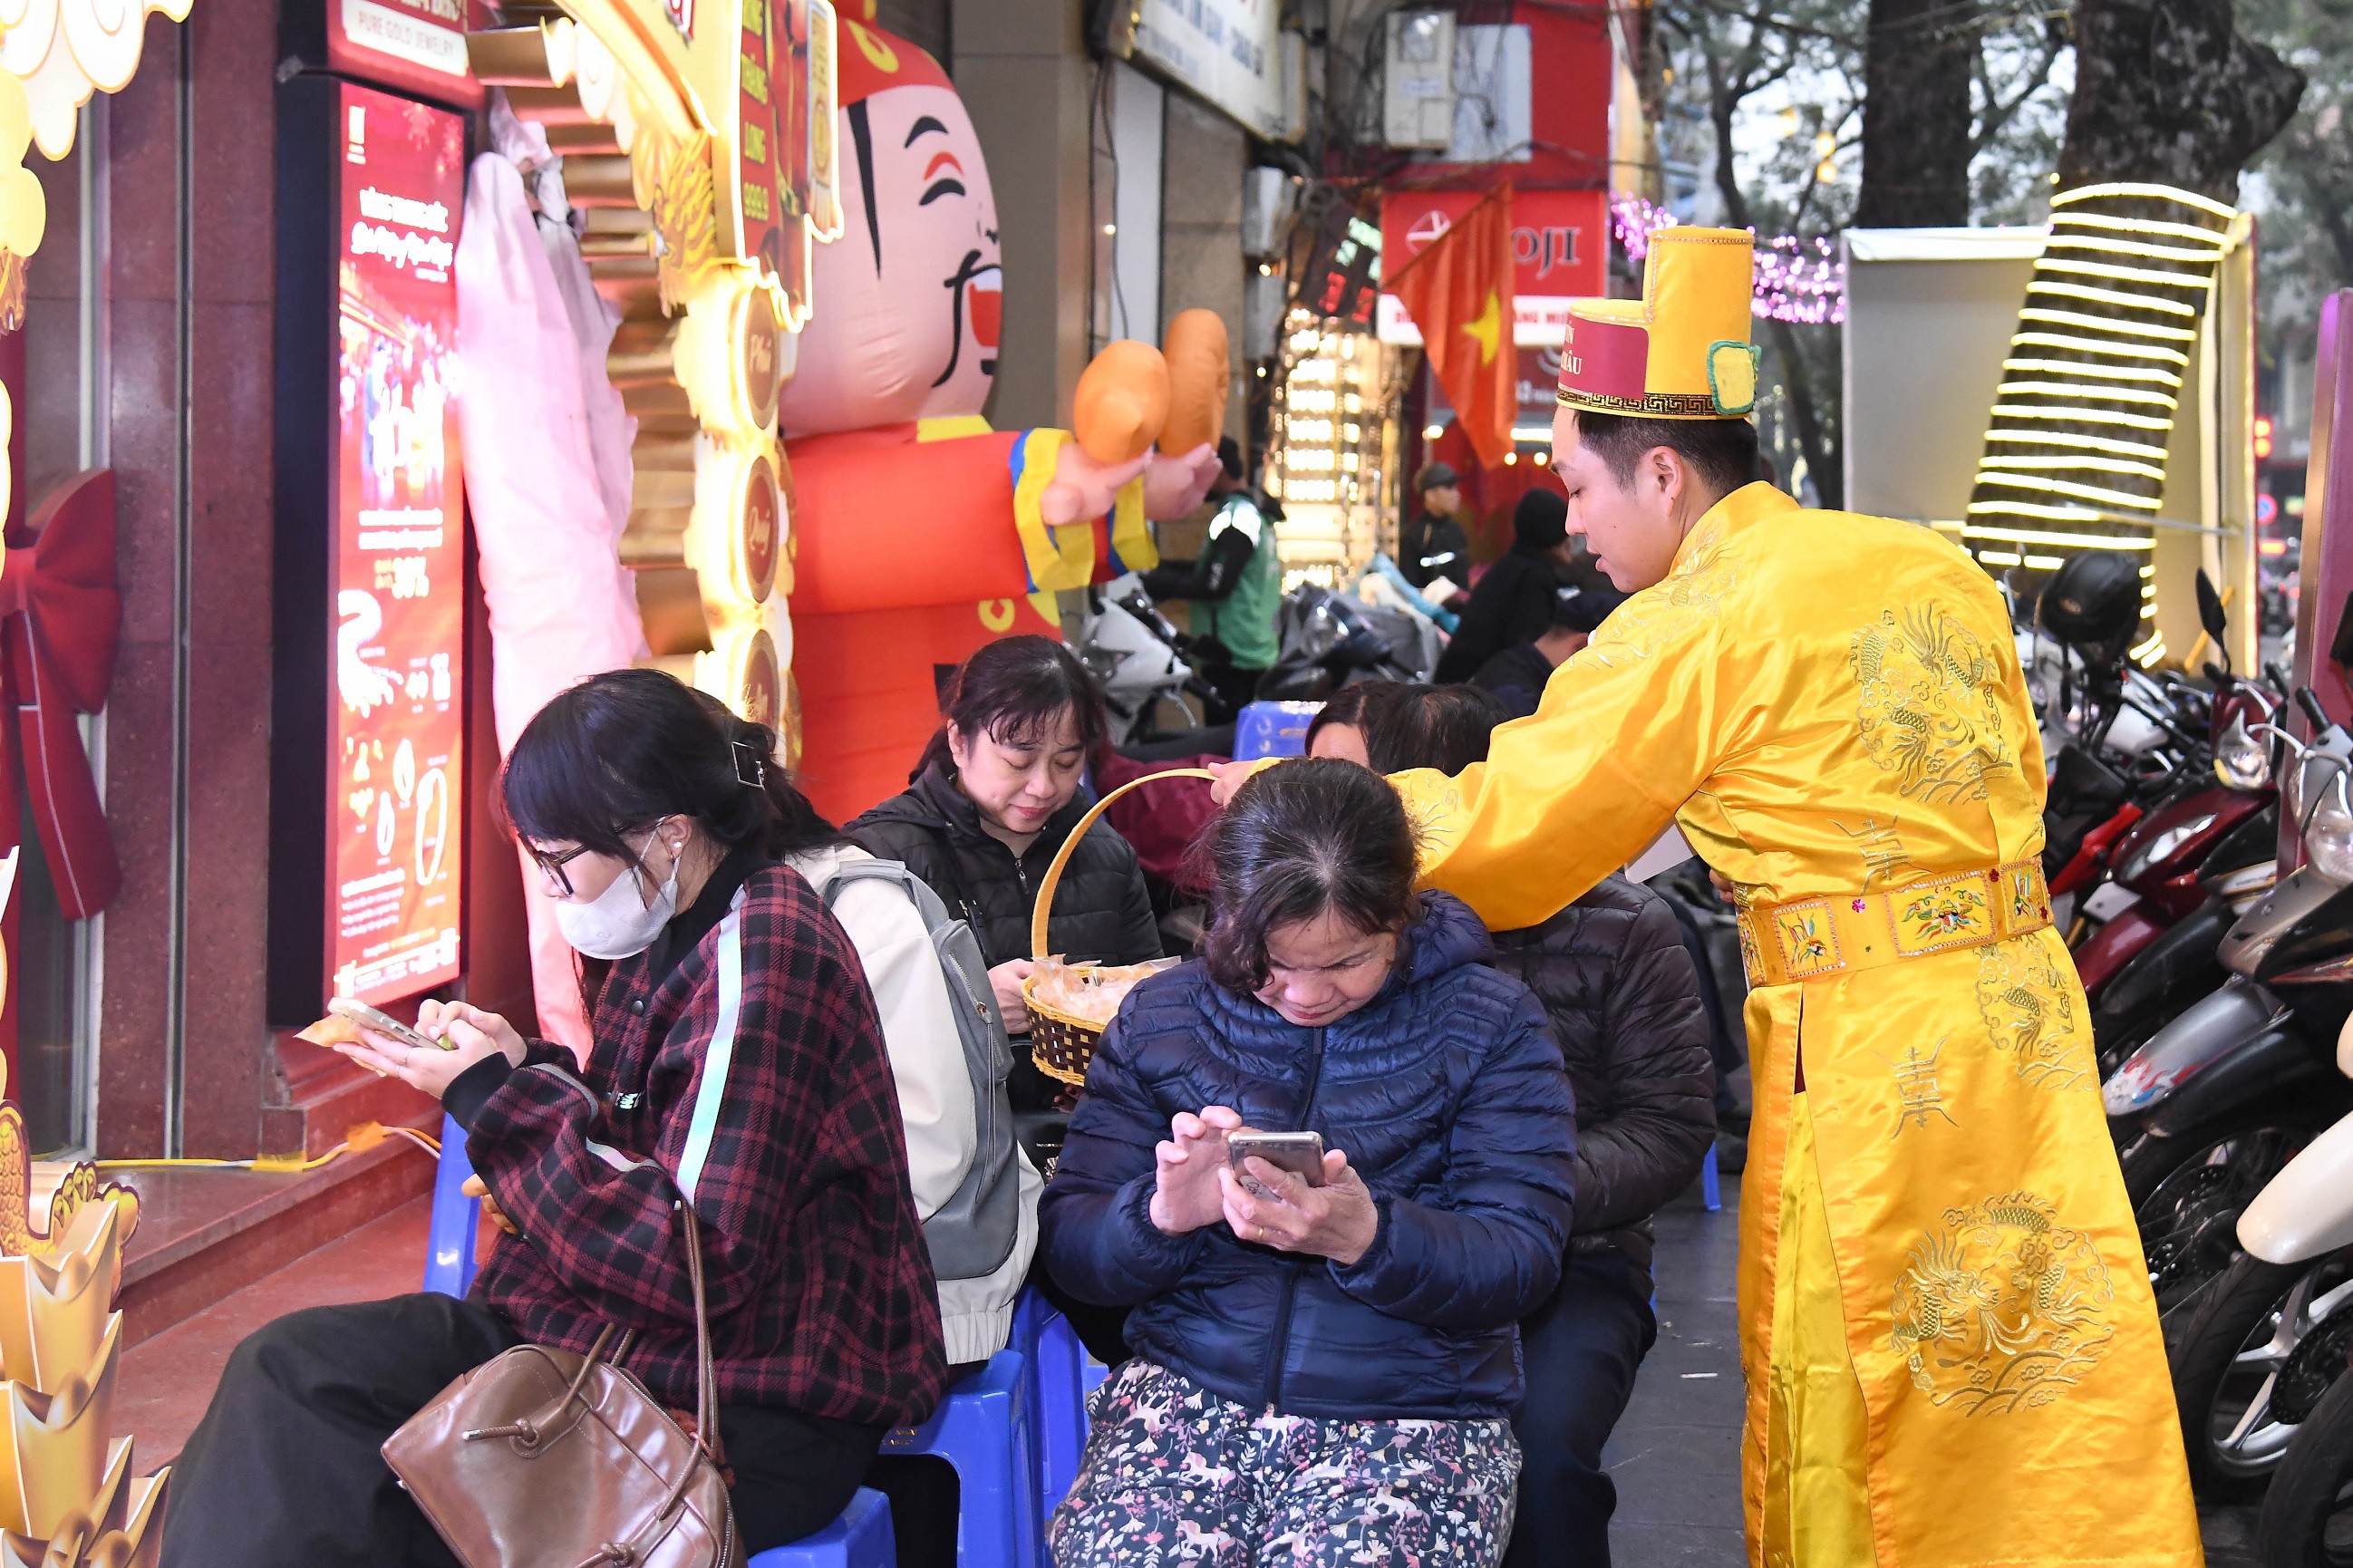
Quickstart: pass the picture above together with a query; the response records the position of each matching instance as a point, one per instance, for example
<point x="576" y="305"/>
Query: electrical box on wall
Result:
<point x="1417" y="84"/>
<point x="1270" y="196"/>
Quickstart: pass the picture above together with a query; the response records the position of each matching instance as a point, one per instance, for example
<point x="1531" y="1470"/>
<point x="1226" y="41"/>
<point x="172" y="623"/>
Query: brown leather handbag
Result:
<point x="548" y="1459"/>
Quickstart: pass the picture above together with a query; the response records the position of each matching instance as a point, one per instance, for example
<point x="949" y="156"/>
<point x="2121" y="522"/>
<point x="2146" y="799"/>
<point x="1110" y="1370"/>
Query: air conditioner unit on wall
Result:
<point x="1417" y="85"/>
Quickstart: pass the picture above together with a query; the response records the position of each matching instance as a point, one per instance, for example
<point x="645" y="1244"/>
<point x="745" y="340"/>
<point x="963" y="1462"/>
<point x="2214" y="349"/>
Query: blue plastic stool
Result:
<point x="1063" y="1375"/>
<point x="1273" y="730"/>
<point x="860" y="1538"/>
<point x="1711" y="1188"/>
<point x="450" y="1245"/>
<point x="982" y="1428"/>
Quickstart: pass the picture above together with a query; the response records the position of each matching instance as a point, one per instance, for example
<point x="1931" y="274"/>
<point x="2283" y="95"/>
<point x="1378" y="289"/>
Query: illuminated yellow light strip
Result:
<point x="2128" y="274"/>
<point x="2068" y="198"/>
<point x="2065" y="487"/>
<point x="1999" y="558"/>
<point x="2083" y="465"/>
<point x="2105" y="372"/>
<point x="2095" y="346"/>
<point x="2100" y="245"/>
<point x="2219" y="241"/>
<point x="2104" y="324"/>
<point x="2149" y="570"/>
<point x="2077" y="389"/>
<point x="2064" y="541"/>
<point x="2080" y="442"/>
<point x="2086" y="415"/>
<point x="2033" y="508"/>
<point x="2123" y="301"/>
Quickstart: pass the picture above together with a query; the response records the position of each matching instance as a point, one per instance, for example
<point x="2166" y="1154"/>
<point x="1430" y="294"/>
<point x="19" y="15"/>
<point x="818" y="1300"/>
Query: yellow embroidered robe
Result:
<point x="1829" y="704"/>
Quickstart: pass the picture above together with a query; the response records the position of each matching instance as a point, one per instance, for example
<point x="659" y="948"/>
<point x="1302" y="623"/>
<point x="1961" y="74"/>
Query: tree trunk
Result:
<point x="1915" y="114"/>
<point x="1828" y="474"/>
<point x="2170" y="102"/>
<point x="2171" y="93"/>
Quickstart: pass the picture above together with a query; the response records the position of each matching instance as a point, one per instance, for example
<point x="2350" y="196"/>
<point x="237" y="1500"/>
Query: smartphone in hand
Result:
<point x="1300" y="1153"/>
<point x="382" y="1023"/>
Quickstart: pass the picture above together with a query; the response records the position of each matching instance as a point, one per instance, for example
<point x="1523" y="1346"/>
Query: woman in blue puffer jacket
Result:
<point x="1324" y="1373"/>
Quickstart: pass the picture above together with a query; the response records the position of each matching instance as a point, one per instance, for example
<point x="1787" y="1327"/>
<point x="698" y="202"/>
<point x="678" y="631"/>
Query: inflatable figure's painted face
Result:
<point x="931" y="222"/>
<point x="907" y="301"/>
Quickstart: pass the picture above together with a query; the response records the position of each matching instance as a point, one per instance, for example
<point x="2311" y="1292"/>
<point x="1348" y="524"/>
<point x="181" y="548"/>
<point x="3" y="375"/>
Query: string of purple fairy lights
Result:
<point x="1800" y="280"/>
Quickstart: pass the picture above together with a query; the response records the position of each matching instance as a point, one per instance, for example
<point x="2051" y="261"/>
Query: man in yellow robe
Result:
<point x="1950" y="1347"/>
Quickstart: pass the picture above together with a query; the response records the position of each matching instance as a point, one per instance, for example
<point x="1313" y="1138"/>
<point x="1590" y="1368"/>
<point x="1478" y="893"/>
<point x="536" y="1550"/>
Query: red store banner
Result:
<point x="1560" y="251"/>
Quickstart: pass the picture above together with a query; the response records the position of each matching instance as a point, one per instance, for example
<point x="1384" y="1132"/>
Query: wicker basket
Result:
<point x="1061" y="1043"/>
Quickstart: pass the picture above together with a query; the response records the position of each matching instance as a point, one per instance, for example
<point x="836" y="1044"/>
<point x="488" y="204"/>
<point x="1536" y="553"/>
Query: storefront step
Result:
<point x="206" y="1233"/>
<point x="315" y="1096"/>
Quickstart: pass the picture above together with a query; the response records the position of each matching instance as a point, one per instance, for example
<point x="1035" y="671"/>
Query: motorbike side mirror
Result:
<point x="2211" y="613"/>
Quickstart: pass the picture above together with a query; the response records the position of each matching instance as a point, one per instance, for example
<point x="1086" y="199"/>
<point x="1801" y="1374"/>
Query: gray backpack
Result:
<point x="973" y="1234"/>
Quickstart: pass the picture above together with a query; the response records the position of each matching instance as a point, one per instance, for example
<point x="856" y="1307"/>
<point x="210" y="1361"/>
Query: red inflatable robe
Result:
<point x="913" y="545"/>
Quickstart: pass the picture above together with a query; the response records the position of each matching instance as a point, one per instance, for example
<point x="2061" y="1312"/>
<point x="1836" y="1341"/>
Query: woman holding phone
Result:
<point x="1324" y="1370"/>
<point x="734" y="1034"/>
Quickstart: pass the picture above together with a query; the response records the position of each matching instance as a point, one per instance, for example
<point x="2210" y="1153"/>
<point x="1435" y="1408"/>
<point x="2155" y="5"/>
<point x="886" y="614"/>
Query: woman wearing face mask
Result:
<point x="1322" y="1374"/>
<point x="734" y="1032"/>
<point x="991" y="803"/>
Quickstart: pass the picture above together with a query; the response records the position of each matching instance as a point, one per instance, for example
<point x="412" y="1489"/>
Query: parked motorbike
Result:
<point x="2182" y="873"/>
<point x="2219" y="1099"/>
<point x="2271" y="1337"/>
<point x="1138" y="661"/>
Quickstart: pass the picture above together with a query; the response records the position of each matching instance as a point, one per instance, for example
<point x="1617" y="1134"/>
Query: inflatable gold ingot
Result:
<point x="53" y="1448"/>
<point x="77" y="1533"/>
<point x="80" y="1187"/>
<point x="139" y="1543"/>
<point x="53" y="1309"/>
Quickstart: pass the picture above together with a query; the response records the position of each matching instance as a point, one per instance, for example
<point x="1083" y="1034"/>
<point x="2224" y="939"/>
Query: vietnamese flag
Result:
<point x="1459" y="292"/>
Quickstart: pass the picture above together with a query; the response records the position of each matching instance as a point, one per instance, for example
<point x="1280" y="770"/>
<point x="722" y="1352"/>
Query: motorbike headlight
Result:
<point x="2329" y="837"/>
<point x="2241" y="761"/>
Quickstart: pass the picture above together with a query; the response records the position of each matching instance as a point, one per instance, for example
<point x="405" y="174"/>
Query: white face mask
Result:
<point x="618" y="922"/>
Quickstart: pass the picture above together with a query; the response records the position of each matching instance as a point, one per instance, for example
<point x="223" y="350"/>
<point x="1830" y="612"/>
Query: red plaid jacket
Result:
<point x="752" y="1078"/>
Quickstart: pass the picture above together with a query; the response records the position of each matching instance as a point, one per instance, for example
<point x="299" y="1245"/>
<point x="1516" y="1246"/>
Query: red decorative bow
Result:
<point x="60" y="617"/>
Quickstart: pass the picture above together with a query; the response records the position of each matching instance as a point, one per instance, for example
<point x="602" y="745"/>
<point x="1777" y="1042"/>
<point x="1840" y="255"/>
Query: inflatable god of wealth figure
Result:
<point x="921" y="533"/>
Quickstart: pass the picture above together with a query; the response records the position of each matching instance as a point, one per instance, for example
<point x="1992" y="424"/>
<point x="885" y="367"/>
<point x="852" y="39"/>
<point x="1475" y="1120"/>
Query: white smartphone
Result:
<point x="382" y="1023"/>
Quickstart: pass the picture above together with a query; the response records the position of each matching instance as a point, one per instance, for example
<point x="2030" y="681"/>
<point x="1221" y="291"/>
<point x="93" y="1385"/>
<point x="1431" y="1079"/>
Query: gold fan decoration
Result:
<point x="68" y="1496"/>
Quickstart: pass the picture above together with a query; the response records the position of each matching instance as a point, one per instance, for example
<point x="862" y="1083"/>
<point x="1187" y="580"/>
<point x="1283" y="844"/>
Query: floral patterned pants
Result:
<point x="1175" y="1474"/>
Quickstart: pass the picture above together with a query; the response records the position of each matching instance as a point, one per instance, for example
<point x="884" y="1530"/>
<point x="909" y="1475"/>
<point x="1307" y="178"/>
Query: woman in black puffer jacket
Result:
<point x="1624" y="1000"/>
<point x="1323" y="1373"/>
<point x="993" y="800"/>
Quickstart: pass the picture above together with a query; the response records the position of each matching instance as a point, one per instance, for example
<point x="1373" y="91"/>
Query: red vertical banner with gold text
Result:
<point x="396" y="765"/>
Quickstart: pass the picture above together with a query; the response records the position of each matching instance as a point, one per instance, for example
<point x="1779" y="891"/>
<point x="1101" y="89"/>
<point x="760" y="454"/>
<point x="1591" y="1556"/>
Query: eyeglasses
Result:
<point x="552" y="865"/>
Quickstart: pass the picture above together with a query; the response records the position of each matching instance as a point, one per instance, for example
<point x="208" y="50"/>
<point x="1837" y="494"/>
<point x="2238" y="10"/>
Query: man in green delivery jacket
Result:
<point x="1236" y="586"/>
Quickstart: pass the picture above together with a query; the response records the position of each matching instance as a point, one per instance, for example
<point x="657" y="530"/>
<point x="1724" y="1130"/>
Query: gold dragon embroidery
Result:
<point x="2029" y="1010"/>
<point x="1926" y="704"/>
<point x="2002" y="1308"/>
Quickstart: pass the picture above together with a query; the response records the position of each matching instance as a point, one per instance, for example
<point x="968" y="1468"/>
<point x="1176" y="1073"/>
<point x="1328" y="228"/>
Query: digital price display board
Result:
<point x="397" y="589"/>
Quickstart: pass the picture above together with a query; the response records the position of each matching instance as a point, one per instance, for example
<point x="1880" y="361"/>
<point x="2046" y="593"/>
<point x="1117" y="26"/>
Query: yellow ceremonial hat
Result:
<point x="1679" y="352"/>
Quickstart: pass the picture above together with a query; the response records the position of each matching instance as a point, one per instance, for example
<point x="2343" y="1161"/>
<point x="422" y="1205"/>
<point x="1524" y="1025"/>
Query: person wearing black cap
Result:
<point x="1237" y="584"/>
<point x="1519" y="673"/>
<point x="1432" y="543"/>
<point x="1513" y="602"/>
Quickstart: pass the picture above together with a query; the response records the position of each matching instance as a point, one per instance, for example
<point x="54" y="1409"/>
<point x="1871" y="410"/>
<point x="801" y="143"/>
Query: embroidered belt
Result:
<point x="1806" y="939"/>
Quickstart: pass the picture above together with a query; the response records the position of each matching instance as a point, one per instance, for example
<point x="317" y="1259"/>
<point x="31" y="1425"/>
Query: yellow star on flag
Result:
<point x="1488" y="328"/>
